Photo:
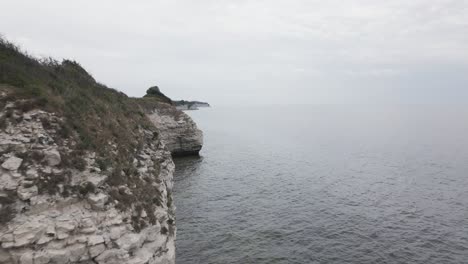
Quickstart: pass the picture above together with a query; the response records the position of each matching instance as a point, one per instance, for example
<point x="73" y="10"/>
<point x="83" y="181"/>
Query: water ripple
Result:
<point x="268" y="193"/>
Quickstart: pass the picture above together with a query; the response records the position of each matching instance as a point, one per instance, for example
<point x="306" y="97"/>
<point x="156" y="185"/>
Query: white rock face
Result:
<point x="41" y="222"/>
<point x="177" y="130"/>
<point x="12" y="163"/>
<point x="27" y="193"/>
<point x="98" y="200"/>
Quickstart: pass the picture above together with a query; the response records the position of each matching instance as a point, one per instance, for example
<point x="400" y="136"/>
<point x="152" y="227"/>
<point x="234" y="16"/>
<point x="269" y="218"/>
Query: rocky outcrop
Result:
<point x="177" y="130"/>
<point x="190" y="105"/>
<point x="85" y="175"/>
<point x="155" y="92"/>
<point x="58" y="206"/>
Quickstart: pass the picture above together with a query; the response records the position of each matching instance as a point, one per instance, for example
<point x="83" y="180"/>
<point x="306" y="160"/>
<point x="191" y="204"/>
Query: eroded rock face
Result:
<point x="178" y="131"/>
<point x="42" y="218"/>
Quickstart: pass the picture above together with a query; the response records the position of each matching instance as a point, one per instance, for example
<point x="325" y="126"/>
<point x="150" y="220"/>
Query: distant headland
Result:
<point x="155" y="92"/>
<point x="190" y="105"/>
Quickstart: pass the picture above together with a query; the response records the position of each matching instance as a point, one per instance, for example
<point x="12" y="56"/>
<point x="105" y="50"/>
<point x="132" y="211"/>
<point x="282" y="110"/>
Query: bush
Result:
<point x="155" y="92"/>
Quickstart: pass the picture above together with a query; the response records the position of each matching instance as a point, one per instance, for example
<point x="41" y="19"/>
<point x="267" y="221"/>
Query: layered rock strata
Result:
<point x="56" y="208"/>
<point x="177" y="130"/>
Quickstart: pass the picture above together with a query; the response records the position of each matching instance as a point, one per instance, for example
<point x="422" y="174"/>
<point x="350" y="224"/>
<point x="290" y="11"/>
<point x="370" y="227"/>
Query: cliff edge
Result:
<point x="177" y="130"/>
<point x="85" y="175"/>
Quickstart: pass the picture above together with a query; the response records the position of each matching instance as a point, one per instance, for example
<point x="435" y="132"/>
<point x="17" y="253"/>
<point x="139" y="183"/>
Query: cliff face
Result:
<point x="54" y="211"/>
<point x="177" y="130"/>
<point x="85" y="175"/>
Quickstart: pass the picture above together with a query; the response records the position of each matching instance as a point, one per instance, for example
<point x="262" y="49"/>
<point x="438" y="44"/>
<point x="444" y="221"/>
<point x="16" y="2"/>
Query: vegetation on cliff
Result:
<point x="96" y="118"/>
<point x="190" y="104"/>
<point x="156" y="94"/>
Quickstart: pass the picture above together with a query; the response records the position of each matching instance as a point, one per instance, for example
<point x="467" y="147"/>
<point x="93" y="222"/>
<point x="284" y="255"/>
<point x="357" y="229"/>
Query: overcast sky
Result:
<point x="265" y="51"/>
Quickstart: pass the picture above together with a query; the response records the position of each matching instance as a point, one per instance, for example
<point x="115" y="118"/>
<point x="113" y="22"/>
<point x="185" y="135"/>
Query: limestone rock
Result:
<point x="27" y="193"/>
<point x="116" y="232"/>
<point x="52" y="157"/>
<point x="63" y="228"/>
<point x="130" y="241"/>
<point x="82" y="239"/>
<point x="41" y="257"/>
<point x="12" y="163"/>
<point x="58" y="255"/>
<point x="5" y="257"/>
<point x="7" y="182"/>
<point x="177" y="130"/>
<point x="31" y="174"/>
<point x="96" y="250"/>
<point x="113" y="256"/>
<point x="153" y="232"/>
<point x="77" y="252"/>
<point x="57" y="221"/>
<point x="94" y="240"/>
<point x="28" y="233"/>
<point x="98" y="200"/>
<point x="27" y="258"/>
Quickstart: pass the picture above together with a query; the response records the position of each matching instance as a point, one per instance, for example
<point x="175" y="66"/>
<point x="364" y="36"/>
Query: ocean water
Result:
<point x="325" y="184"/>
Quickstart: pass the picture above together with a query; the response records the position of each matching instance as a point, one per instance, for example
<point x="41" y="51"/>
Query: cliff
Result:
<point x="177" y="130"/>
<point x="190" y="105"/>
<point x="86" y="176"/>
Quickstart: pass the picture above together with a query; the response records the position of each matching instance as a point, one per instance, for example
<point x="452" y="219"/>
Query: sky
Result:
<point x="257" y="51"/>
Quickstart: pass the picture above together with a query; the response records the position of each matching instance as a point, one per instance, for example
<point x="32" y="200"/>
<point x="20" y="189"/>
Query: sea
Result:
<point x="325" y="184"/>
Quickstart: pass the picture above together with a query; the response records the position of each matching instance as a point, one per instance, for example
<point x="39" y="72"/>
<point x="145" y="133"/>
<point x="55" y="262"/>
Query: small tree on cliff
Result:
<point x="155" y="92"/>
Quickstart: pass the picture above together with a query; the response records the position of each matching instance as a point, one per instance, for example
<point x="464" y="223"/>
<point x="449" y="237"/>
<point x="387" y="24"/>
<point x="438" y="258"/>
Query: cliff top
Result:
<point x="99" y="114"/>
<point x="93" y="118"/>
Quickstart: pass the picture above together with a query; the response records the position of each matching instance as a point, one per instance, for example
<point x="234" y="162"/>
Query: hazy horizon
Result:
<point x="258" y="52"/>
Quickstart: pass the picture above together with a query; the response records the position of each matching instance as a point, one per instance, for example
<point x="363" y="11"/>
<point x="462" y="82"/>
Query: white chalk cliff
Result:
<point x="177" y="130"/>
<point x="55" y="213"/>
<point x="86" y="172"/>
